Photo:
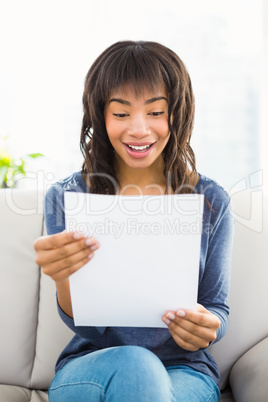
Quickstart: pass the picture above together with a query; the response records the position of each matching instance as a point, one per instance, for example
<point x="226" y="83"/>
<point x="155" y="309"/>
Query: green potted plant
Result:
<point x="12" y="166"/>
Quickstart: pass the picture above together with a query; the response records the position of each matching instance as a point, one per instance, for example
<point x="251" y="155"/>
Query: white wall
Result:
<point x="48" y="46"/>
<point x="264" y="99"/>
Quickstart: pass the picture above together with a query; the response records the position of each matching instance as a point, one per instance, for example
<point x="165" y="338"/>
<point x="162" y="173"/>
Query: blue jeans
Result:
<point x="129" y="374"/>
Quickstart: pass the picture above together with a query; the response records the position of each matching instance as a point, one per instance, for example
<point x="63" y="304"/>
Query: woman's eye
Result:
<point x="120" y="115"/>
<point x="156" y="113"/>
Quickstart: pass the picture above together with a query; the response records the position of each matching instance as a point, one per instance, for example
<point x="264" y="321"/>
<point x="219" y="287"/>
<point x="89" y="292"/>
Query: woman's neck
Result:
<point x="149" y="181"/>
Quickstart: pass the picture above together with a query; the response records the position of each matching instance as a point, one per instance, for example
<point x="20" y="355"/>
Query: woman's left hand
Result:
<point x="192" y="329"/>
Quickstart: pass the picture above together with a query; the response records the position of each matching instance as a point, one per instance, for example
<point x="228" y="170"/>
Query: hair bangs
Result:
<point x="135" y="69"/>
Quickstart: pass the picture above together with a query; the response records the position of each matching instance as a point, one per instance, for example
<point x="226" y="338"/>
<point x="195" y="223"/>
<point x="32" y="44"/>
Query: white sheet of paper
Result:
<point x="148" y="260"/>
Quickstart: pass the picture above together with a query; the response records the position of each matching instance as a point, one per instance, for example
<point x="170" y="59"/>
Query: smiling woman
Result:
<point x="150" y="99"/>
<point x="137" y="124"/>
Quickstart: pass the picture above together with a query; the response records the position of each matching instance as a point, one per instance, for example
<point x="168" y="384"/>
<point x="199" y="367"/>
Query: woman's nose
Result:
<point x="139" y="127"/>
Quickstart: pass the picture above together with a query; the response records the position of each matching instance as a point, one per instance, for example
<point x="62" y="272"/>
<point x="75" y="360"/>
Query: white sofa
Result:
<point x="32" y="335"/>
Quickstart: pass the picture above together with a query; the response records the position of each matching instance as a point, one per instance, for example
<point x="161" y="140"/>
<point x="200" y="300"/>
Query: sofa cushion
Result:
<point x="11" y="393"/>
<point x="52" y="336"/>
<point x="248" y="377"/>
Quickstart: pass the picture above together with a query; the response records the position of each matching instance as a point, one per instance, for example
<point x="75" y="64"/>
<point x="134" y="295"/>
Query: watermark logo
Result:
<point x="247" y="201"/>
<point x="134" y="226"/>
<point x="40" y="183"/>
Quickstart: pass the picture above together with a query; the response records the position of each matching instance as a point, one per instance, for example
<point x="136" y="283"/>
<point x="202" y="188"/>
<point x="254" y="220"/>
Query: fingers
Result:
<point x="200" y="317"/>
<point x="65" y="259"/>
<point x="63" y="272"/>
<point x="64" y="253"/>
<point x="53" y="241"/>
<point x="187" y="340"/>
<point x="192" y="330"/>
<point x="192" y="336"/>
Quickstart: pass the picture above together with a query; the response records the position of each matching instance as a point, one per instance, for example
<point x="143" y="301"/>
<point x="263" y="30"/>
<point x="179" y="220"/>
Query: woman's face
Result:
<point x="137" y="127"/>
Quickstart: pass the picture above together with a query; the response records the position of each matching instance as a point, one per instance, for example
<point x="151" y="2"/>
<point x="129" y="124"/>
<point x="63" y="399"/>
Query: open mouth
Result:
<point x="139" y="148"/>
<point x="140" y="151"/>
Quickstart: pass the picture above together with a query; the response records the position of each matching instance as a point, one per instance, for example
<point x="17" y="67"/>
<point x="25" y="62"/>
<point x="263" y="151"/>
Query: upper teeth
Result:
<point x="139" y="148"/>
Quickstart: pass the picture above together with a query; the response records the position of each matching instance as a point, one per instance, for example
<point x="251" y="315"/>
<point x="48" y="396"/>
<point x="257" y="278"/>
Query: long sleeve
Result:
<point x="215" y="264"/>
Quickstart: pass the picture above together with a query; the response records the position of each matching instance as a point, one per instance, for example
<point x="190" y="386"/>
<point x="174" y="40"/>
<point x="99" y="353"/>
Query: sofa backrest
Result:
<point x="248" y="294"/>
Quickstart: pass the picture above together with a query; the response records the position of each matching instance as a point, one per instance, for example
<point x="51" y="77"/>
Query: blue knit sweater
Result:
<point x="214" y="279"/>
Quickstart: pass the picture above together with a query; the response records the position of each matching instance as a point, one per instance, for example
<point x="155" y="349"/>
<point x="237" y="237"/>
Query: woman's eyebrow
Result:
<point x="124" y="102"/>
<point x="155" y="99"/>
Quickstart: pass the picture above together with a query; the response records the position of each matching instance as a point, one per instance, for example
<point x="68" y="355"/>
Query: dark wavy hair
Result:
<point x="140" y="65"/>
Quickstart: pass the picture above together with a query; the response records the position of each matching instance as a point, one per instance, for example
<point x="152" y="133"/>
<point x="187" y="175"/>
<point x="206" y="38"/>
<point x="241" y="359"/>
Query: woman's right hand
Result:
<point x="62" y="254"/>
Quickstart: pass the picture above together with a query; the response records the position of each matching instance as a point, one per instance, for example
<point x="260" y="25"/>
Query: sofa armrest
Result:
<point x="249" y="375"/>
